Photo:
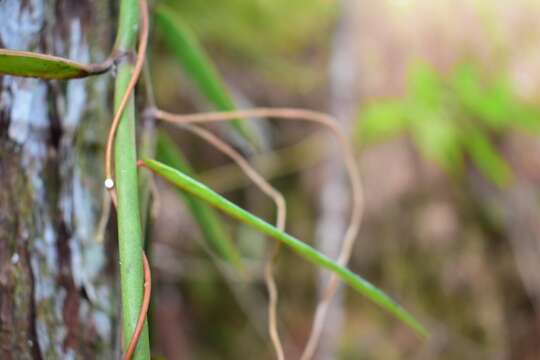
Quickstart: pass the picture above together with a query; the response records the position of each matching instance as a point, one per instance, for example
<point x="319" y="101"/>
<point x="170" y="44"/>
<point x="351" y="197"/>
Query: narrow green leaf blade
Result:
<point x="28" y="64"/>
<point x="380" y="121"/>
<point x="487" y="158"/>
<point x="190" y="54"/>
<point x="362" y="286"/>
<point x="205" y="216"/>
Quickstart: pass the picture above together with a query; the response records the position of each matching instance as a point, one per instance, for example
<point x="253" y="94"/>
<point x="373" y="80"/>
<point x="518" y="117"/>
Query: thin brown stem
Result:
<point x="291" y="114"/>
<point x="141" y="54"/>
<point x="281" y="216"/>
<point x="273" y="295"/>
<point x="271" y="164"/>
<point x="246" y="167"/>
<point x="352" y="170"/>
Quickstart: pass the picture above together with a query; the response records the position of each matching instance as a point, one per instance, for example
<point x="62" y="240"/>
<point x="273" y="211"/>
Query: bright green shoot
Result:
<point x="365" y="288"/>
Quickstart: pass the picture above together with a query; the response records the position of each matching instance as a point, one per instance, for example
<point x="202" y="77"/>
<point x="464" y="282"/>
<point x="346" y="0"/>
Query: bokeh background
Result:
<point x="442" y="102"/>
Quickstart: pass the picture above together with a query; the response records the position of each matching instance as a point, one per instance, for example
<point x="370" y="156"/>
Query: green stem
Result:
<point x="129" y="220"/>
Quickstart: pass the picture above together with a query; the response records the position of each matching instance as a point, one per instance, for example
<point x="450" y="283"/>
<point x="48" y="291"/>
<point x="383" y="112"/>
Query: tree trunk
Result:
<point x="57" y="295"/>
<point x="335" y="199"/>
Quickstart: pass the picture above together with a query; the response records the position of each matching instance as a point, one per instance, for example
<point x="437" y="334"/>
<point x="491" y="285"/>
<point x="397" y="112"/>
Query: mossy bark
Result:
<point x="57" y="294"/>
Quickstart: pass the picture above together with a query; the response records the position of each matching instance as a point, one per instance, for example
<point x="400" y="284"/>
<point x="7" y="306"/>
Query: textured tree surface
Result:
<point x="57" y="295"/>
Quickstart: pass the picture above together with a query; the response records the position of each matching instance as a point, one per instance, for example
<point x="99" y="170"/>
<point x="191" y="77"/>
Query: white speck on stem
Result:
<point x="109" y="183"/>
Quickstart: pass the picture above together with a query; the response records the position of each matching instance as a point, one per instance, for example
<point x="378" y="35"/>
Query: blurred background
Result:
<point x="442" y="102"/>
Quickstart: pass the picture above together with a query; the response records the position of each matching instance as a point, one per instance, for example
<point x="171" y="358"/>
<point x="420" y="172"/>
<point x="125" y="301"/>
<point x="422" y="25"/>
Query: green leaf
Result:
<point x="381" y="121"/>
<point x="425" y="86"/>
<point x="198" y="66"/>
<point x="231" y="24"/>
<point x="487" y="158"/>
<point x="526" y="117"/>
<point x="356" y="282"/>
<point x="28" y="64"/>
<point x="438" y="138"/>
<point x="209" y="223"/>
<point x="490" y="103"/>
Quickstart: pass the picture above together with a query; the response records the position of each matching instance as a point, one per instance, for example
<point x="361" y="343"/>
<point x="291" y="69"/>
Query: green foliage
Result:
<point x="452" y="118"/>
<point x="249" y="28"/>
<point x="209" y="223"/>
<point x="365" y="288"/>
<point x="27" y="64"/>
<point x="381" y="122"/>
<point x="245" y="33"/>
<point x="197" y="65"/>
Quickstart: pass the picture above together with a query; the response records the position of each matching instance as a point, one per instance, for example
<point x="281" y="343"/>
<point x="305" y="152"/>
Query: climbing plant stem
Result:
<point x="126" y="183"/>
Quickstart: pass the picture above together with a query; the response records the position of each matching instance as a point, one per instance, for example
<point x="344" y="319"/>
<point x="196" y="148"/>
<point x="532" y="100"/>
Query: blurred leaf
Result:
<point x="438" y="138"/>
<point x="490" y="104"/>
<point x="233" y="24"/>
<point x="307" y="252"/>
<point x="381" y="121"/>
<point x="28" y="64"/>
<point x="498" y="106"/>
<point x="450" y="117"/>
<point x="209" y="223"/>
<point x="493" y="103"/>
<point x="425" y="86"/>
<point x="189" y="53"/>
<point x="245" y="35"/>
<point x="486" y="157"/>
<point x="526" y="117"/>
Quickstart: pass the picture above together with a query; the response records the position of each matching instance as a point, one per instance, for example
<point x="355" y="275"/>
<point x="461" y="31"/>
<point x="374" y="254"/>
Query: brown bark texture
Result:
<point x="57" y="294"/>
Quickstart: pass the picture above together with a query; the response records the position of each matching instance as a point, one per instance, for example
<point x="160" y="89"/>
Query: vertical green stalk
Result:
<point x="125" y="155"/>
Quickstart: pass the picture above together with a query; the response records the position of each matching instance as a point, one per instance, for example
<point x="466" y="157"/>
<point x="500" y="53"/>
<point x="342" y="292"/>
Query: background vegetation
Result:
<point x="446" y="133"/>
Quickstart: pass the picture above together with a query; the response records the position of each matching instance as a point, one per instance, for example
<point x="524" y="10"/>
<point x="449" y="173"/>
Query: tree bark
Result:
<point x="57" y="295"/>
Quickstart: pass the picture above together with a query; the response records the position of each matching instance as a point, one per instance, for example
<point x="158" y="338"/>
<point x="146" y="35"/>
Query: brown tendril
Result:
<point x="352" y="170"/>
<point x="141" y="54"/>
<point x="144" y="310"/>
<point x="281" y="216"/>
